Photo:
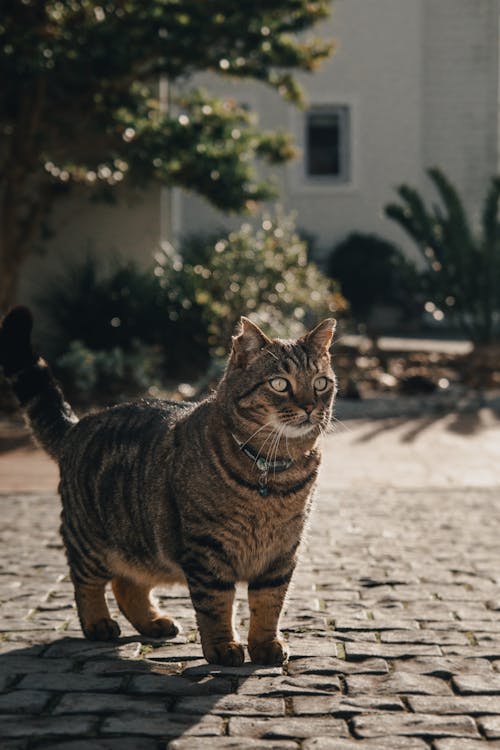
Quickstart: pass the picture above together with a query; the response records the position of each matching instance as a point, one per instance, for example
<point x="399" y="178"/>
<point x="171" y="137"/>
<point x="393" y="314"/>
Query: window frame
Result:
<point x="342" y="114"/>
<point x="299" y="180"/>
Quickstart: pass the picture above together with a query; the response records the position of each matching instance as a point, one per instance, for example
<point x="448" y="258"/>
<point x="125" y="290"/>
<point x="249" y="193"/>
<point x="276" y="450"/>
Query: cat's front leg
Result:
<point x="213" y="601"/>
<point x="266" y="595"/>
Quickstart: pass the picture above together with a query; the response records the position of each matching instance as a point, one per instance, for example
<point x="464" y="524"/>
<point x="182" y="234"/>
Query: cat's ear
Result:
<point x="320" y="338"/>
<point x="248" y="342"/>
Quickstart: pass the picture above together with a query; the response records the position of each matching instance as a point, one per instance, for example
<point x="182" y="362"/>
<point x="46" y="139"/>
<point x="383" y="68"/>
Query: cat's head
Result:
<point x="288" y="386"/>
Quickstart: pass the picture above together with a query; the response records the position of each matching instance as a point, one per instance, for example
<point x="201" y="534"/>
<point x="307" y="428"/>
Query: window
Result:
<point x="327" y="143"/>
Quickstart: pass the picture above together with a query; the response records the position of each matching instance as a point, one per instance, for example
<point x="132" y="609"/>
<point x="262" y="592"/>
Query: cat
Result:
<point x="207" y="493"/>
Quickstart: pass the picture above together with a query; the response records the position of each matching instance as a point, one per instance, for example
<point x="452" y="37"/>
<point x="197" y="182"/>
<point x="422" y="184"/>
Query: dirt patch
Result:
<point x="367" y="371"/>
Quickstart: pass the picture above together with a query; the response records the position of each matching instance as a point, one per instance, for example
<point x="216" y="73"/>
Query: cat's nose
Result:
<point x="308" y="408"/>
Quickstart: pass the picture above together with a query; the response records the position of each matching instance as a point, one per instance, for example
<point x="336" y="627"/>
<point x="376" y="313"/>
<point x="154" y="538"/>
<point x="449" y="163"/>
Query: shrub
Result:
<point x="113" y="305"/>
<point x="463" y="276"/>
<point x="110" y="373"/>
<point x="177" y="316"/>
<point x="262" y="273"/>
<point x="103" y="304"/>
<point x="372" y="271"/>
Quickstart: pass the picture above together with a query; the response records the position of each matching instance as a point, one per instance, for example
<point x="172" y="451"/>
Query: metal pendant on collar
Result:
<point x="263" y="488"/>
<point x="263" y="465"/>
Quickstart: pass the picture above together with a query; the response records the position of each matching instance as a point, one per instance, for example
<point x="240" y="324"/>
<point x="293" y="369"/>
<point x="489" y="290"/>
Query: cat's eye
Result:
<point x="321" y="384"/>
<point x="279" y="384"/>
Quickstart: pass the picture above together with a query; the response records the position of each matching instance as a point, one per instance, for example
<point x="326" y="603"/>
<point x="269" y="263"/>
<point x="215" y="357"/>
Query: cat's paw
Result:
<point x="105" y="629"/>
<point x="161" y="627"/>
<point x="268" y="652"/>
<point x="229" y="654"/>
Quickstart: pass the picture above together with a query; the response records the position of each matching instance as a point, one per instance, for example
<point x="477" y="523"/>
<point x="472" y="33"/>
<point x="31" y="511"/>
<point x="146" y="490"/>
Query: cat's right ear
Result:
<point x="248" y="342"/>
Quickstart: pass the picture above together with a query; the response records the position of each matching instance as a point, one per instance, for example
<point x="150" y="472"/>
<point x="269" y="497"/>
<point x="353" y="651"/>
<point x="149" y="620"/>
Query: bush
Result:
<point x="110" y="373"/>
<point x="372" y="271"/>
<point x="103" y="304"/>
<point x="115" y="325"/>
<point x="262" y="273"/>
<point x="113" y="305"/>
<point x="463" y="276"/>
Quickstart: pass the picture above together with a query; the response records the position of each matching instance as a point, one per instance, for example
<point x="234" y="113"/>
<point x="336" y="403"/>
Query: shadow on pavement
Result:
<point x="11" y="442"/>
<point x="133" y="693"/>
<point x="465" y="423"/>
<point x="468" y="423"/>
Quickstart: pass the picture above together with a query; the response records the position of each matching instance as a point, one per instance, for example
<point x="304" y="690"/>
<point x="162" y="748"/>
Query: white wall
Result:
<point x="421" y="78"/>
<point x="376" y="70"/>
<point x="460" y="78"/>
<point x="129" y="229"/>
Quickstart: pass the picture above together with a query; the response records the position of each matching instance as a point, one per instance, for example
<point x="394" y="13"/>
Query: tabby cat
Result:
<point x="207" y="493"/>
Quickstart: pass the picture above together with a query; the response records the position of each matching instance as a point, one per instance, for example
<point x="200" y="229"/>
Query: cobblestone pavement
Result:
<point x="393" y="623"/>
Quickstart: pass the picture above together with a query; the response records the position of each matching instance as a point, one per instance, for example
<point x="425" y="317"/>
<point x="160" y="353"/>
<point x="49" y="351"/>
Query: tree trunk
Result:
<point x="25" y="193"/>
<point x="9" y="282"/>
<point x="21" y="217"/>
<point x="11" y="256"/>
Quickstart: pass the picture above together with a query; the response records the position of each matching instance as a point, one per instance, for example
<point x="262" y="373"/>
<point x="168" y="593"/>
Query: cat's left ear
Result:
<point x="320" y="338"/>
<point x="248" y="342"/>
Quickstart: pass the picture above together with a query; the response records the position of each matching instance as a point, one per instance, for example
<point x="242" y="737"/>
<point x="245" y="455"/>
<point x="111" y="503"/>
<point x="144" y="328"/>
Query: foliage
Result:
<point x="110" y="306"/>
<point x="184" y="310"/>
<point x="372" y="271"/>
<point x="104" y="305"/>
<point x="463" y="275"/>
<point x="259" y="272"/>
<point x="80" y="105"/>
<point x="112" y="372"/>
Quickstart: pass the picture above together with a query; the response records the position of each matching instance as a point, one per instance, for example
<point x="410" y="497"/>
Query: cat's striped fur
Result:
<point x="154" y="492"/>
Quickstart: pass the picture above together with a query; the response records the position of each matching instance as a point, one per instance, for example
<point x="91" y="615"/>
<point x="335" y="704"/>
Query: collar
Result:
<point x="264" y="465"/>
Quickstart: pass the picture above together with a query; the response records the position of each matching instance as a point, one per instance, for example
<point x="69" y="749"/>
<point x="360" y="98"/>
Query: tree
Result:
<point x="79" y="102"/>
<point x="463" y="266"/>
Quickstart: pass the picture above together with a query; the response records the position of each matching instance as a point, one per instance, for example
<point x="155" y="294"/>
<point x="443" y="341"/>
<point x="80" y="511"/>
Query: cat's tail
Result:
<point x="49" y="416"/>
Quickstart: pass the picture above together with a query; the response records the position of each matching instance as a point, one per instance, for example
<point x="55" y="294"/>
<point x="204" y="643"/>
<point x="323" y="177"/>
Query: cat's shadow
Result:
<point x="134" y="687"/>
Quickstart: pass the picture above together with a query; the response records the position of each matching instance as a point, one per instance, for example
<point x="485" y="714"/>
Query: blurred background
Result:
<point x="167" y="167"/>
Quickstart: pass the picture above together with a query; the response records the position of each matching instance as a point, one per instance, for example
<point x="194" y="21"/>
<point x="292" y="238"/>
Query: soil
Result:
<point x="365" y="372"/>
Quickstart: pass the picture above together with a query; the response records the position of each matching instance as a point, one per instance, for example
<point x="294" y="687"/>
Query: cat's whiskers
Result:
<point x="270" y="447"/>
<point x="267" y="424"/>
<point x="322" y="431"/>
<point x="271" y="434"/>
<point x="338" y="422"/>
<point x="274" y="447"/>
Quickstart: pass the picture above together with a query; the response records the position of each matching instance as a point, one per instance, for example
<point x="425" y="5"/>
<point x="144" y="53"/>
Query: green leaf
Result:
<point x="462" y="266"/>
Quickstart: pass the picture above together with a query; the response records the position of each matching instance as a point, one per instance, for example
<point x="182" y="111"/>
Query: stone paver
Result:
<point x="393" y="622"/>
<point x="421" y="725"/>
<point x="490" y="725"/>
<point x="461" y="744"/>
